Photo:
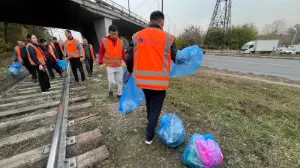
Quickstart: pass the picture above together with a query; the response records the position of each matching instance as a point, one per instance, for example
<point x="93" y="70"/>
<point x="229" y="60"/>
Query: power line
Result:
<point x="140" y="4"/>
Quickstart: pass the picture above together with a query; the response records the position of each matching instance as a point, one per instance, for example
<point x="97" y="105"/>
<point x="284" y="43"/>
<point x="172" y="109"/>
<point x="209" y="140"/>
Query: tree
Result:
<point x="295" y="32"/>
<point x="276" y="27"/>
<point x="190" y="35"/>
<point x="241" y="34"/>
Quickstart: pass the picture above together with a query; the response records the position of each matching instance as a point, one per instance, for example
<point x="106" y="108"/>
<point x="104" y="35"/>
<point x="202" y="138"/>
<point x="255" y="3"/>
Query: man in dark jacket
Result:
<point x="58" y="47"/>
<point x="20" y="55"/>
<point x="51" y="58"/>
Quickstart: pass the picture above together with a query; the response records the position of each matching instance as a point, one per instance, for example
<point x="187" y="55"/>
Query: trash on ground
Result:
<point x="15" y="69"/>
<point x="172" y="131"/>
<point x="202" y="151"/>
<point x="188" y="61"/>
<point x="63" y="64"/>
<point x="132" y="97"/>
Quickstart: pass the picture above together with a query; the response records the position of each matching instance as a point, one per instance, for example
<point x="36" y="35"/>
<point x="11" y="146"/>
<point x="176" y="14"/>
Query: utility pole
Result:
<point x="129" y="6"/>
<point x="162" y="6"/>
<point x="174" y="30"/>
<point x="295" y="37"/>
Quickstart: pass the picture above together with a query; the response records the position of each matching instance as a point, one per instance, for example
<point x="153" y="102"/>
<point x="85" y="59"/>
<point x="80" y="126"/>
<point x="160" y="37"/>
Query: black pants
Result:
<point x="27" y="65"/>
<point x="34" y="72"/>
<point x="154" y="102"/>
<point x="43" y="80"/>
<point x="89" y="66"/>
<point x="76" y="64"/>
<point x="51" y="66"/>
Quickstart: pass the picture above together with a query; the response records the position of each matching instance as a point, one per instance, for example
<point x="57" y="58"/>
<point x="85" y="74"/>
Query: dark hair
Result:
<point x="28" y="37"/>
<point x="54" y="38"/>
<point x="112" y="28"/>
<point x="157" y="15"/>
<point x="42" y="40"/>
<point x="69" y="31"/>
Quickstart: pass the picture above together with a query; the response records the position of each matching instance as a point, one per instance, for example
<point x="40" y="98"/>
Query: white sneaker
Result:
<point x="150" y="142"/>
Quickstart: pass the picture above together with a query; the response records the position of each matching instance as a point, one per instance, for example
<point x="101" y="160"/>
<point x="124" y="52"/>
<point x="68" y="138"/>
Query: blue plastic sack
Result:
<point x="63" y="64"/>
<point x="188" y="61"/>
<point x="132" y="97"/>
<point x="126" y="77"/>
<point x="15" y="69"/>
<point x="202" y="152"/>
<point x="172" y="131"/>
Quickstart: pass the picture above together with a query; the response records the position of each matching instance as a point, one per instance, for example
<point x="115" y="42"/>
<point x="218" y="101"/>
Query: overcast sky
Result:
<point x="180" y="13"/>
<point x="199" y="12"/>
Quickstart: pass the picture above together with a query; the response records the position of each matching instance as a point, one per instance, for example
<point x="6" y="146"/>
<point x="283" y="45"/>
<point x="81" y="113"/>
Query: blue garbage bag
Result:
<point x="188" y="61"/>
<point x="172" y="131"/>
<point x="126" y="77"/>
<point x="15" y="69"/>
<point x="132" y="97"/>
<point x="63" y="64"/>
<point x="190" y="156"/>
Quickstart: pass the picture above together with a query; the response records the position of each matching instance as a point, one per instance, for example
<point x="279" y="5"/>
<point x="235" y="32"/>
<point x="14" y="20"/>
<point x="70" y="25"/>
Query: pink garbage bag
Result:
<point x="209" y="151"/>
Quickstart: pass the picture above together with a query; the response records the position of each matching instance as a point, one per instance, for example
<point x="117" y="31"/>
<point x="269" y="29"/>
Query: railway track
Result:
<point x="34" y="126"/>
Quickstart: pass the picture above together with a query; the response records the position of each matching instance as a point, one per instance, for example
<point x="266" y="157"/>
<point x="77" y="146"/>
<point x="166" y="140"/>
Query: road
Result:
<point x="289" y="69"/>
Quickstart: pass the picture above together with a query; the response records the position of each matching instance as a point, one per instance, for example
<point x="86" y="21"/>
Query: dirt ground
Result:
<point x="256" y="124"/>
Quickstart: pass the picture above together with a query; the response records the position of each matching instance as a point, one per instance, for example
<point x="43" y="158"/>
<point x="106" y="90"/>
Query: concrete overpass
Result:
<point x="90" y="18"/>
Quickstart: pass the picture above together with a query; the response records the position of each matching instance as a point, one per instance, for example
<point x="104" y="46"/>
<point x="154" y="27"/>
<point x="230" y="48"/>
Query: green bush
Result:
<point x="4" y="47"/>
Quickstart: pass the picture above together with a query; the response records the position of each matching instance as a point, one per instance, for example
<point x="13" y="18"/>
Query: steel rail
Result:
<point x="57" y="155"/>
<point x="124" y="11"/>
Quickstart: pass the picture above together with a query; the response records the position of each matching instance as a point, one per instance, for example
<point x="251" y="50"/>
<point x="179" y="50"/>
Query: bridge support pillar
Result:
<point x="101" y="27"/>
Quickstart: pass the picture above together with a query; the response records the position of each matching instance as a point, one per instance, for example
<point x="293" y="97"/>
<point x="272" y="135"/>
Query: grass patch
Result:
<point x="256" y="124"/>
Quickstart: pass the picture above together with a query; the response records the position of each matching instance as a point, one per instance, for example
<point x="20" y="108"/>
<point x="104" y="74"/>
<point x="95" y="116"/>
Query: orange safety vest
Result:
<point x="40" y="55"/>
<point x="18" y="50"/>
<point x="51" y="51"/>
<point x="152" y="58"/>
<point x="71" y="48"/>
<point x="92" y="51"/>
<point x="113" y="54"/>
<point x="60" y="46"/>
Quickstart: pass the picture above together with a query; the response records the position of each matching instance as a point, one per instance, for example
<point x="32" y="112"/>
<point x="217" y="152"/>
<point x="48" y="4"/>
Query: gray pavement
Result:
<point x="289" y="69"/>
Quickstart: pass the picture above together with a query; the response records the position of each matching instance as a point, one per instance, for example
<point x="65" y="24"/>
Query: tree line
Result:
<point x="238" y="35"/>
<point x="10" y="33"/>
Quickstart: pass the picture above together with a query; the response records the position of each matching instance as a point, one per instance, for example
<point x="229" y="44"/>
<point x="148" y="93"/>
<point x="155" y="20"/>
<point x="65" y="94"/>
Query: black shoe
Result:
<point x="110" y="94"/>
<point x="119" y="96"/>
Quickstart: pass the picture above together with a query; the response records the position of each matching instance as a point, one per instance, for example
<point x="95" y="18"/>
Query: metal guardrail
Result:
<point x="57" y="155"/>
<point x="123" y="11"/>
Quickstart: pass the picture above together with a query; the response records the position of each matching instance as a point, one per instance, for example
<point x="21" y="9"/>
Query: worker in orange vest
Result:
<point x="51" y="58"/>
<point x="111" y="55"/>
<point x="20" y="55"/>
<point x="58" y="47"/>
<point x="89" y="56"/>
<point x="149" y="60"/>
<point x="38" y="61"/>
<point x="74" y="53"/>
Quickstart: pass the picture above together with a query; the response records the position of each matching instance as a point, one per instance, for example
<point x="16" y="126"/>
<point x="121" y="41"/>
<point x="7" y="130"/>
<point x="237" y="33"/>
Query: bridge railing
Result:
<point x="123" y="11"/>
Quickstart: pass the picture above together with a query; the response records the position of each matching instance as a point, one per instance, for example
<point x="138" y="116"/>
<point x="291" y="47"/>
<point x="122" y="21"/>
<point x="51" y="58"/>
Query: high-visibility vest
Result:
<point x="71" y="48"/>
<point x="18" y="50"/>
<point x="152" y="58"/>
<point x="60" y="46"/>
<point x="91" y="50"/>
<point x="51" y="51"/>
<point x="40" y="55"/>
<point x="113" y="54"/>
